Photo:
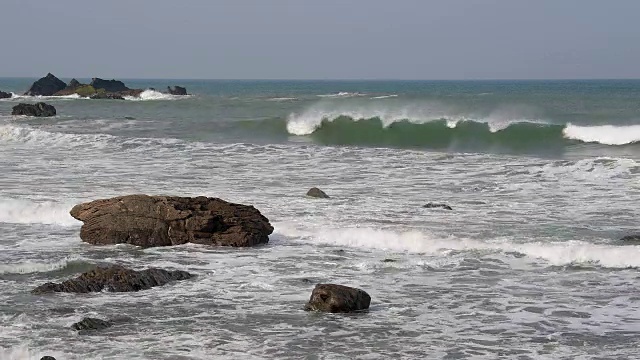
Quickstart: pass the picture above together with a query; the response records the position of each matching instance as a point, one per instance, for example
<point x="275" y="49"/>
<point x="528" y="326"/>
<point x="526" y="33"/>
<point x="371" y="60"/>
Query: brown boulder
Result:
<point x="147" y="221"/>
<point x="337" y="299"/>
<point x="114" y="278"/>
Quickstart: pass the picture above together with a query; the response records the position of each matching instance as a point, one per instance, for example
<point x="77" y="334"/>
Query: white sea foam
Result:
<point x="22" y="211"/>
<point x="282" y="99"/>
<point x="555" y="253"/>
<point x="30" y="267"/>
<point x="384" y="97"/>
<point x="38" y="97"/>
<point x="603" y="134"/>
<point x="25" y="134"/>
<point x="342" y="94"/>
<point x="155" y="95"/>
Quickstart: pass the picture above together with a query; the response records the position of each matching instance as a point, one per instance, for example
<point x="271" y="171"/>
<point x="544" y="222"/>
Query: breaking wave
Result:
<point x="32" y="267"/>
<point x="150" y="94"/>
<point x="18" y="211"/>
<point x="553" y="253"/>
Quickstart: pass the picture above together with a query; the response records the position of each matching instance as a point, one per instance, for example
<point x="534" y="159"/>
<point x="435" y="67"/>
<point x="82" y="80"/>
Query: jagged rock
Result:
<point x="317" y="193"/>
<point x="437" y="206"/>
<point x="631" y="238"/>
<point x="106" y="95"/>
<point x="46" y="86"/>
<point x="147" y="221"/>
<point x="177" y="90"/>
<point x="74" y="84"/>
<point x="47" y="358"/>
<point x="38" y="109"/>
<point x="337" y="298"/>
<point x="5" y="95"/>
<point x="108" y="85"/>
<point x="91" y="324"/>
<point x="114" y="278"/>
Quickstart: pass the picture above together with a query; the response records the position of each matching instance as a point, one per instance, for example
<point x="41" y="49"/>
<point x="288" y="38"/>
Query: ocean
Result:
<point x="543" y="178"/>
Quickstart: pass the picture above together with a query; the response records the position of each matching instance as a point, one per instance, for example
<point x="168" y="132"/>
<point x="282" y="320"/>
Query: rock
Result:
<point x="437" y="206"/>
<point x="631" y="238"/>
<point x="46" y="86"/>
<point x="47" y="358"/>
<point x="387" y="260"/>
<point x="5" y="95"/>
<point x="108" y="85"/>
<point x="82" y="90"/>
<point x="114" y="278"/>
<point x="38" y="109"/>
<point x="91" y="324"/>
<point x="106" y="95"/>
<point x="74" y="84"/>
<point x="147" y="221"/>
<point x="317" y="193"/>
<point x="337" y="298"/>
<point x="177" y="90"/>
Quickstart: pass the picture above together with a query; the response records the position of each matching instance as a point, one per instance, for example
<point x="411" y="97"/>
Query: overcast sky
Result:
<point x="321" y="39"/>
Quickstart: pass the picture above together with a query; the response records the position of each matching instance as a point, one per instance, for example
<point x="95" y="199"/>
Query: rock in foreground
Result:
<point x="631" y="238"/>
<point x="147" y="221"/>
<point x="317" y="193"/>
<point x="437" y="206"/>
<point x="46" y="86"/>
<point x="115" y="279"/>
<point x="337" y="299"/>
<point x="5" y="95"/>
<point x="177" y="90"/>
<point x="38" y="109"/>
<point x="90" y="324"/>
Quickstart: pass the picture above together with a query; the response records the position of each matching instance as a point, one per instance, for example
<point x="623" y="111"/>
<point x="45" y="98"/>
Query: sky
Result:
<point x="321" y="39"/>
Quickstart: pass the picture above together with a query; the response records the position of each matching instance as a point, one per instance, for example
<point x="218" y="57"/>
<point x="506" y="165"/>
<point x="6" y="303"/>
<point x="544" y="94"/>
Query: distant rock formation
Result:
<point x="437" y="206"/>
<point x="115" y="279"/>
<point x="177" y="90"/>
<point x="337" y="299"/>
<point x="148" y="221"/>
<point x="108" y="85"/>
<point x="91" y="324"/>
<point x="106" y="95"/>
<point x="46" y="86"/>
<point x="5" y="95"/>
<point x="38" y="109"/>
<point x="317" y="193"/>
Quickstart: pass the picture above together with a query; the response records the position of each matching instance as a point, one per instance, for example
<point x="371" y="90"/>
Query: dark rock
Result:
<point x="437" y="206"/>
<point x="631" y="238"/>
<point x="177" y="90"/>
<point x="337" y="298"/>
<point x="38" y="109"/>
<point x="91" y="324"/>
<point x="317" y="193"/>
<point x="107" y="96"/>
<point x="46" y="86"/>
<point x="5" y="95"/>
<point x="147" y="221"/>
<point x="74" y="84"/>
<point x="47" y="358"/>
<point x="108" y="85"/>
<point x="75" y="87"/>
<point x="115" y="279"/>
<point x="389" y="260"/>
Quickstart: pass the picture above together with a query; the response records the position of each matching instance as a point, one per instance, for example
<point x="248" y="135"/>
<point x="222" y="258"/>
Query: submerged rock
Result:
<point x="177" y="90"/>
<point x="631" y="238"/>
<point x="38" y="109"/>
<point x="337" y="299"/>
<point x="147" y="221"/>
<point x="91" y="324"/>
<point x="437" y="206"/>
<point x="114" y="278"/>
<point x="5" y="95"/>
<point x="46" y="86"/>
<point x="317" y="193"/>
<point x="108" y="85"/>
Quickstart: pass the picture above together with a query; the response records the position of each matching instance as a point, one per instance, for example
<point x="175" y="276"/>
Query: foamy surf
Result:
<point x="604" y="134"/>
<point x="418" y="242"/>
<point x="23" y="211"/>
<point x="31" y="267"/>
<point x="149" y="94"/>
<point x="342" y="94"/>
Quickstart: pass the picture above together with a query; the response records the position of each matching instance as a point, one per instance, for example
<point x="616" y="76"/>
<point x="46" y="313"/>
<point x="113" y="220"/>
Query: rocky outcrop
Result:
<point x="317" y="193"/>
<point x="114" y="278"/>
<point x="147" y="221"/>
<point x="108" y="85"/>
<point x="46" y="86"/>
<point x="177" y="90"/>
<point x="91" y="324"/>
<point x="5" y="95"/>
<point x="107" y="96"/>
<point x="437" y="206"/>
<point x="337" y="299"/>
<point x="38" y="109"/>
<point x="631" y="238"/>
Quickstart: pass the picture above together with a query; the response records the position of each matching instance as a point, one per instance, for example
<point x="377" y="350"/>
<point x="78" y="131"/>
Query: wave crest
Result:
<point x="18" y="211"/>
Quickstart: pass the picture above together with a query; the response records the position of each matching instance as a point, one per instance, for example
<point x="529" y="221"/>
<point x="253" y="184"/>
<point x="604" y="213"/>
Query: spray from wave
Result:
<point x="18" y="211"/>
<point x="150" y="94"/>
